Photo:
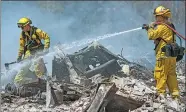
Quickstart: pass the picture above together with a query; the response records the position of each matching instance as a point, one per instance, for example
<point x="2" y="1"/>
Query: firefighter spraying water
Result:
<point x="163" y="32"/>
<point x="24" y="49"/>
<point x="167" y="51"/>
<point x="30" y="45"/>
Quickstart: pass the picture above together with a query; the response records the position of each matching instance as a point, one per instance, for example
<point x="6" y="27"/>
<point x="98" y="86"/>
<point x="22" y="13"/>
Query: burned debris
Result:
<point x="90" y="80"/>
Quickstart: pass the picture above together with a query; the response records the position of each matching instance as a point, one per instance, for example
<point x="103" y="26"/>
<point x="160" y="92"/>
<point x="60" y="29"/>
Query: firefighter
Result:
<point x="165" y="67"/>
<point x="29" y="44"/>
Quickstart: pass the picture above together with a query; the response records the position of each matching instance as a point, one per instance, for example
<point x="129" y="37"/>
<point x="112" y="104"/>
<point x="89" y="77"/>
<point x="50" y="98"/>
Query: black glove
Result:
<point x="18" y="59"/>
<point x="145" y="26"/>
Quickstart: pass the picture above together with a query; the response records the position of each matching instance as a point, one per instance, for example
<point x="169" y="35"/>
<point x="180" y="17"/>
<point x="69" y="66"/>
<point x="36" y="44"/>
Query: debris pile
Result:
<point x="91" y="80"/>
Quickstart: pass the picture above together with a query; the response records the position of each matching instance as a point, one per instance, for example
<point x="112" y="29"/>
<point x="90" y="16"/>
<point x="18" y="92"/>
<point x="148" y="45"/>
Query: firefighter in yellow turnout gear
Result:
<point x="30" y="44"/>
<point x="165" y="68"/>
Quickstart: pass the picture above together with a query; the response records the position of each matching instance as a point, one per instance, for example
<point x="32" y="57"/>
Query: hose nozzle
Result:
<point x="145" y="26"/>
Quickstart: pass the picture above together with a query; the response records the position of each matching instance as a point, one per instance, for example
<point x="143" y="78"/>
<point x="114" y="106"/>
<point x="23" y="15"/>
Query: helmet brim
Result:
<point x="22" y="25"/>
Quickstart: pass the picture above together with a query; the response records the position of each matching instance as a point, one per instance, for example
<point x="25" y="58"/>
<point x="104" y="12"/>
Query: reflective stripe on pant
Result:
<point x="26" y="74"/>
<point x="165" y="74"/>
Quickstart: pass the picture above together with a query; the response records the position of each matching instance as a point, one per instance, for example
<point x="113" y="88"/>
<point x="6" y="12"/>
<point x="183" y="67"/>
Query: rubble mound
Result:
<point x="92" y="80"/>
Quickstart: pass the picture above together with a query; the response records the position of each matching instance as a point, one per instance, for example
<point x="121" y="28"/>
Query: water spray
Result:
<point x="84" y="42"/>
<point x="90" y="40"/>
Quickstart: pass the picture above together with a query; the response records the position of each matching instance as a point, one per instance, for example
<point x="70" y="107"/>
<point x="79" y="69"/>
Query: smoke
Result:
<point x="68" y="21"/>
<point x="8" y="76"/>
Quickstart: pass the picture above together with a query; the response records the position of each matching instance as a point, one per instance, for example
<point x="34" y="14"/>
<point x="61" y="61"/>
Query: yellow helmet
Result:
<point x="162" y="11"/>
<point x="23" y="22"/>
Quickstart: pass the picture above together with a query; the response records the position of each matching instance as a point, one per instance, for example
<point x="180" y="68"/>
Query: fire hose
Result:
<point x="181" y="49"/>
<point x="145" y="26"/>
<point x="178" y="35"/>
<point x="171" y="50"/>
<point x="171" y="29"/>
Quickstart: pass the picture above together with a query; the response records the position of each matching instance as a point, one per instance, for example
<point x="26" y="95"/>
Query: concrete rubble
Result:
<point x="92" y="80"/>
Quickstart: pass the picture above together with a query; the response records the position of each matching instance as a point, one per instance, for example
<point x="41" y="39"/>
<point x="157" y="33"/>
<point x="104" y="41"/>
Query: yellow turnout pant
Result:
<point x="165" y="74"/>
<point x="25" y="74"/>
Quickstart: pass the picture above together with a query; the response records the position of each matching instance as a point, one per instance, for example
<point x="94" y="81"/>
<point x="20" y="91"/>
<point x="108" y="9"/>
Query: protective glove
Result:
<point x="145" y="26"/>
<point x="19" y="59"/>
